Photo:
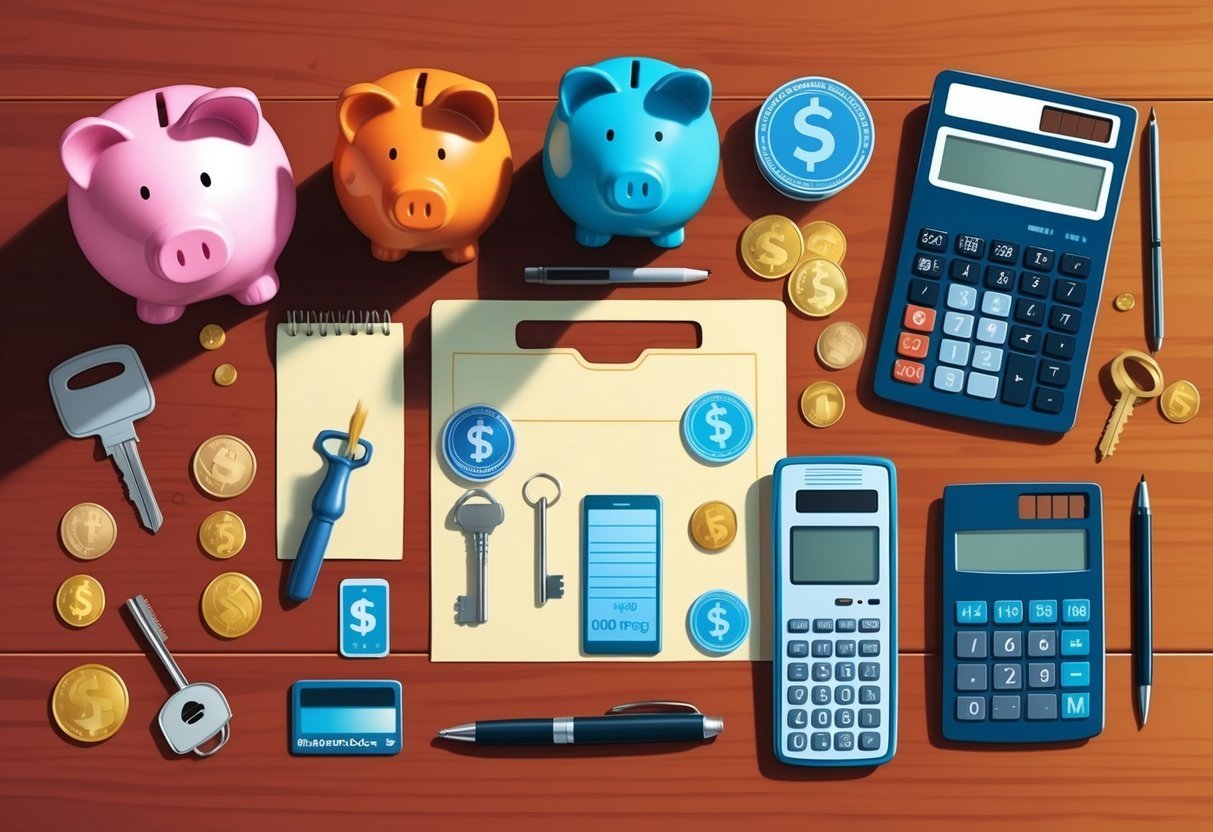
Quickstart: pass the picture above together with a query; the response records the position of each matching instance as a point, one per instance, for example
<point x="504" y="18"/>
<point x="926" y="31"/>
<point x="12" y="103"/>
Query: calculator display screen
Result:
<point x="1022" y="173"/>
<point x="1029" y="550"/>
<point x="835" y="555"/>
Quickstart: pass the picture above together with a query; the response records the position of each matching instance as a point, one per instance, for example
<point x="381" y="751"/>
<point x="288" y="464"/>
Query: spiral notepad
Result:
<point x="326" y="363"/>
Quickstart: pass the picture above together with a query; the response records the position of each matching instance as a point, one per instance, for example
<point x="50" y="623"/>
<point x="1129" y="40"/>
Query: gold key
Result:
<point x="1130" y="393"/>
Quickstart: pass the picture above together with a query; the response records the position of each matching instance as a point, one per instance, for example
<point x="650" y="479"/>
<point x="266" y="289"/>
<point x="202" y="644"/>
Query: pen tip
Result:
<point x="1153" y="117"/>
<point x="1143" y="479"/>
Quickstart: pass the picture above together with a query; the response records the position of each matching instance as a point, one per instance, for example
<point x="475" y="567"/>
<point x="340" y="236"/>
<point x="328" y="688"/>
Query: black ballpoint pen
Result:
<point x="1144" y="660"/>
<point x="1155" y="236"/>
<point x="663" y="722"/>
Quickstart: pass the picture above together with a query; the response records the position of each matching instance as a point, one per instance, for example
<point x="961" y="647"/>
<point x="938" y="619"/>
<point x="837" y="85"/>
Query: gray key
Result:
<point x="971" y="644"/>
<point x="1042" y="675"/>
<point x="1042" y="643"/>
<point x="1008" y="677"/>
<point x="970" y="708"/>
<point x="869" y="717"/>
<point x="971" y="677"/>
<point x="194" y="714"/>
<point x="821" y="741"/>
<point x="821" y="694"/>
<point x="547" y="586"/>
<point x="869" y="741"/>
<point x="1005" y="707"/>
<point x="477" y="520"/>
<point x="1008" y="644"/>
<point x="108" y="409"/>
<point x="1042" y="706"/>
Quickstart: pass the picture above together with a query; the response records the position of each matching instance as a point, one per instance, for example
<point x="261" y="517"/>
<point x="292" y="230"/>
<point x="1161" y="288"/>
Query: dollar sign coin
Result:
<point x="222" y="534"/>
<point x="718" y="622"/>
<point x="366" y="621"/>
<point x="80" y="600"/>
<point x="466" y="449"/>
<point x="88" y="531"/>
<point x="225" y="375"/>
<point x="718" y="426"/>
<point x="224" y="466"/>
<point x="212" y="337"/>
<point x="721" y="431"/>
<point x="771" y="246"/>
<point x="823" y="137"/>
<point x="1180" y="402"/>
<point x="840" y="345"/>
<point x="822" y="404"/>
<point x="482" y="449"/>
<point x="90" y="703"/>
<point x="824" y="240"/>
<point x="231" y="605"/>
<point x="817" y="287"/>
<point x="1125" y="301"/>
<point x="713" y="526"/>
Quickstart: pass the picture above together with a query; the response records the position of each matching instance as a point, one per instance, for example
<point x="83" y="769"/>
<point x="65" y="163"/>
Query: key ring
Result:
<point x="541" y="476"/>
<point x="1120" y="376"/>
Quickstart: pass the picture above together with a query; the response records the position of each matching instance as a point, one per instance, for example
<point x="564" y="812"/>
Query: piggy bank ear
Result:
<point x="231" y="113"/>
<point x="360" y="103"/>
<point x="475" y="103"/>
<point x="682" y="95"/>
<point x="581" y="84"/>
<point x="84" y="141"/>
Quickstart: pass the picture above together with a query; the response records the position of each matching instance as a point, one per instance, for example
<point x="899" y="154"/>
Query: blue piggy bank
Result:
<point x="632" y="149"/>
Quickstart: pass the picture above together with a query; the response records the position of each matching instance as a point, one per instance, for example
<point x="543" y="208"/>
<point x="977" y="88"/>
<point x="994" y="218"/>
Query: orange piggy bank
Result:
<point x="422" y="162"/>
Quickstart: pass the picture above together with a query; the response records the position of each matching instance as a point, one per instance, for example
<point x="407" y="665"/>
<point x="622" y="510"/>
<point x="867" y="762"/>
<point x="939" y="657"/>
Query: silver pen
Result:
<point x="603" y="275"/>
<point x="1155" y="235"/>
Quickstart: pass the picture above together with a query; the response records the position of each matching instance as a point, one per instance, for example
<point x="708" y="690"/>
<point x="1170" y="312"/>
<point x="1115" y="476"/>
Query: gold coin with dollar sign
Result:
<point x="222" y="534"/>
<point x="825" y="240"/>
<point x="224" y="466"/>
<point x="231" y="605"/>
<point x="771" y="246"/>
<point x="88" y="531"/>
<point x="713" y="526"/>
<point x="212" y="337"/>
<point x="225" y="375"/>
<point x="80" y="600"/>
<point x="818" y="287"/>
<point x="1180" y="402"/>
<point x="90" y="702"/>
<point x="822" y="404"/>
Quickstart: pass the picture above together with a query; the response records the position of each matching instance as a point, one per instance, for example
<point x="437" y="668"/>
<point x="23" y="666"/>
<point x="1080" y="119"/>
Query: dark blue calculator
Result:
<point x="1002" y="260"/>
<point x="1023" y="612"/>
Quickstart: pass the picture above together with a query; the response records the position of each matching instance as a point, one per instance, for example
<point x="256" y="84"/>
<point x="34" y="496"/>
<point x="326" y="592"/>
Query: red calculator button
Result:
<point x="919" y="318"/>
<point x="910" y="372"/>
<point x="913" y="345"/>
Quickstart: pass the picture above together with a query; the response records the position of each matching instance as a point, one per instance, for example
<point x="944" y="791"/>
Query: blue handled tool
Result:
<point x="327" y="506"/>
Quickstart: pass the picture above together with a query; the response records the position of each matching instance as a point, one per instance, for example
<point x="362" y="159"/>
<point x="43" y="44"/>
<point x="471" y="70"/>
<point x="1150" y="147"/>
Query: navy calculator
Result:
<point x="1004" y="251"/>
<point x="1023" y="612"/>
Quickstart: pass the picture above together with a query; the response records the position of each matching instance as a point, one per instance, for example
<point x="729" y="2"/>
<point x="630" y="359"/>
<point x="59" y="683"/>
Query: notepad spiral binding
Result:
<point x="306" y="321"/>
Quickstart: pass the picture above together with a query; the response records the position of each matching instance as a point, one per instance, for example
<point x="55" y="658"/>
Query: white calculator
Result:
<point x="835" y="591"/>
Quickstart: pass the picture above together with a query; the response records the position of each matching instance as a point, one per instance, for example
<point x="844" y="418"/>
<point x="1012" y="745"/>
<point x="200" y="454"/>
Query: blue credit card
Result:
<point x="346" y="716"/>
<point x="364" y="618"/>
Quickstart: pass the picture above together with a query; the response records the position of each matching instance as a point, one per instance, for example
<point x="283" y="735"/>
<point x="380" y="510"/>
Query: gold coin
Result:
<point x="840" y="345"/>
<point x="88" y="531"/>
<point x="771" y="246"/>
<point x="825" y="240"/>
<point x="1180" y="401"/>
<point x="80" y="600"/>
<point x="224" y="466"/>
<point x="222" y="534"/>
<point x="822" y="404"/>
<point x="225" y="375"/>
<point x="231" y="605"/>
<point x="212" y="337"/>
<point x="817" y="287"/>
<point x="1125" y="301"/>
<point x="713" y="526"/>
<point x="90" y="703"/>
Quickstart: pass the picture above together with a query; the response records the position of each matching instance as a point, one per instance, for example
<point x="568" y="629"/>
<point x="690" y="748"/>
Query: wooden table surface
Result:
<point x="63" y="60"/>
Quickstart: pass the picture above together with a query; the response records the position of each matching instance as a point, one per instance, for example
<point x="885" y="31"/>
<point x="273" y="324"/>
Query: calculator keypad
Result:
<point x="835" y="701"/>
<point x="1005" y="328"/>
<point x="1022" y="660"/>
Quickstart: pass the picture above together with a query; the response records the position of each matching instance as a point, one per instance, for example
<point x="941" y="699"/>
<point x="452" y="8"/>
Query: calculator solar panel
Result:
<point x="1002" y="262"/>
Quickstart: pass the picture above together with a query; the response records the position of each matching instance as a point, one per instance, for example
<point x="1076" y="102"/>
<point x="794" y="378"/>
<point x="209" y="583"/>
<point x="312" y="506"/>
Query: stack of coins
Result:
<point x="773" y="247"/>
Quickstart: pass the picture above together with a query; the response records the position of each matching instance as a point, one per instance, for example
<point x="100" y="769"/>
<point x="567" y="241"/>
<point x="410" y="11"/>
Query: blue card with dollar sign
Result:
<point x="718" y="622"/>
<point x="364" y="618"/>
<point x="718" y="426"/>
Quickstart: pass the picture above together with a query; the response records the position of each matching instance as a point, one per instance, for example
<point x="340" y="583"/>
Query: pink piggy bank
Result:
<point x="180" y="194"/>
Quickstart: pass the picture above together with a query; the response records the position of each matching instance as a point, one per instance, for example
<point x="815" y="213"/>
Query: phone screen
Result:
<point x="621" y="574"/>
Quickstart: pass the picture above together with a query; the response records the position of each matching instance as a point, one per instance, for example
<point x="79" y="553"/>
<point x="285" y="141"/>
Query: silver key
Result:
<point x="547" y="586"/>
<point x="108" y="409"/>
<point x="195" y="713"/>
<point x="477" y="520"/>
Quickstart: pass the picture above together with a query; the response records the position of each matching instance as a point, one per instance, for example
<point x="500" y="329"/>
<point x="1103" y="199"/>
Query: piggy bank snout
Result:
<point x="191" y="254"/>
<point x="421" y="208"/>
<point x="635" y="191"/>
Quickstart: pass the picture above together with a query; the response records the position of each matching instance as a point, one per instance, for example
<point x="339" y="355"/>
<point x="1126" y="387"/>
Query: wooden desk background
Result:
<point x="63" y="60"/>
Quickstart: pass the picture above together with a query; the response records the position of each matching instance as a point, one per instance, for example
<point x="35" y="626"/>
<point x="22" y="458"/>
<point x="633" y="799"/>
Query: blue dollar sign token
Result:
<point x="718" y="426"/>
<point x="718" y="622"/>
<point x="478" y="442"/>
<point x="813" y="137"/>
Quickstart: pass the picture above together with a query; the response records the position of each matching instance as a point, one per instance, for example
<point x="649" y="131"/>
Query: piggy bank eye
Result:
<point x="658" y="136"/>
<point x="391" y="154"/>
<point x="441" y="153"/>
<point x="610" y="135"/>
<point x="206" y="179"/>
<point x="145" y="193"/>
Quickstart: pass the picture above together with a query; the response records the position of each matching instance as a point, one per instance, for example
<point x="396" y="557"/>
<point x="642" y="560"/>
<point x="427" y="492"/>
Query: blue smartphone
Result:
<point x="621" y="574"/>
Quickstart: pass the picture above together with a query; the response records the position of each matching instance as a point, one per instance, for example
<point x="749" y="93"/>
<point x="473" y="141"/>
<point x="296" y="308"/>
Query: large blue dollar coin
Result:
<point x="813" y="137"/>
<point x="718" y="622"/>
<point x="718" y="426"/>
<point x="478" y="442"/>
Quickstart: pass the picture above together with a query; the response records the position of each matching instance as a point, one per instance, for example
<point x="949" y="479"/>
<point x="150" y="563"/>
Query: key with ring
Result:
<point x="477" y="520"/>
<point x="1130" y="392"/>
<point x="548" y="586"/>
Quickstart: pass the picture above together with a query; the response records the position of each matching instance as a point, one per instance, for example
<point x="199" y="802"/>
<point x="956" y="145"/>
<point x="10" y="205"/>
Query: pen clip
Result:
<point x="654" y="706"/>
